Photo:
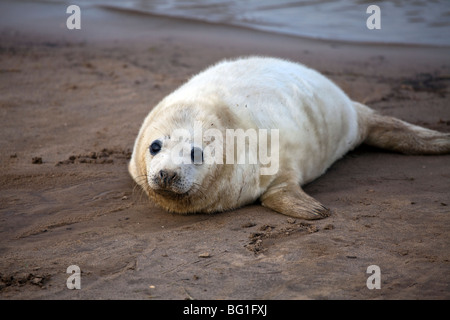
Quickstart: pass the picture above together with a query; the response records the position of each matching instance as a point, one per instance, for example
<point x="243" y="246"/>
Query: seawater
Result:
<point x="402" y="21"/>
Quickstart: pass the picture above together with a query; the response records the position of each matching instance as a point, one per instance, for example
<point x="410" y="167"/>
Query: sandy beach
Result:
<point x="71" y="105"/>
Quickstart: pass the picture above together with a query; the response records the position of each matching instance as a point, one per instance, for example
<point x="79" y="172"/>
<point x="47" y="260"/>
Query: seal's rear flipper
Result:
<point x="291" y="200"/>
<point x="397" y="135"/>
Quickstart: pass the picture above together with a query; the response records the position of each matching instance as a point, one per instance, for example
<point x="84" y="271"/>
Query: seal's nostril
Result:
<point x="162" y="174"/>
<point x="172" y="176"/>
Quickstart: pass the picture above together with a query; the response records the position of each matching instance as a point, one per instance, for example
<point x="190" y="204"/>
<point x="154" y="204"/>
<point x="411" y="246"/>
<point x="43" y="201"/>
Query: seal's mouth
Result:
<point x="168" y="193"/>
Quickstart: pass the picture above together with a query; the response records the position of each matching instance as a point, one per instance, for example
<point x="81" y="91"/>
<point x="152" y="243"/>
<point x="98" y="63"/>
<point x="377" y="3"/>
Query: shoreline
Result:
<point x="102" y="26"/>
<point x="25" y="16"/>
<point x="56" y="11"/>
<point x="111" y="27"/>
<point x="237" y="27"/>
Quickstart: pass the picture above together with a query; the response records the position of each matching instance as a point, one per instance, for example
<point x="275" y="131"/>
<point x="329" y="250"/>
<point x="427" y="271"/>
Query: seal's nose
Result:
<point x="166" y="178"/>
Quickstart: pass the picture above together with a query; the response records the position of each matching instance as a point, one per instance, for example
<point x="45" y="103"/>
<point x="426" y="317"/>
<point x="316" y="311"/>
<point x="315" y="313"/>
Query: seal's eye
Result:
<point x="197" y="155"/>
<point x="155" y="147"/>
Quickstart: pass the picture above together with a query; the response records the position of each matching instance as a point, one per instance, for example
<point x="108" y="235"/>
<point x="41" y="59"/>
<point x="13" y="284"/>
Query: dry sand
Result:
<point x="71" y="105"/>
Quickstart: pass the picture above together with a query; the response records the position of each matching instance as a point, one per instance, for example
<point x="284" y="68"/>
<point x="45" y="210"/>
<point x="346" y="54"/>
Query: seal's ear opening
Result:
<point x="197" y="155"/>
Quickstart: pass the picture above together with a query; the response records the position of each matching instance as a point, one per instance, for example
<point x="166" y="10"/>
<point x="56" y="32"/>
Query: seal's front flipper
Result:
<point x="291" y="200"/>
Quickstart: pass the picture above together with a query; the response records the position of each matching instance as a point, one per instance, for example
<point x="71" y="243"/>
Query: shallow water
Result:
<point x="401" y="21"/>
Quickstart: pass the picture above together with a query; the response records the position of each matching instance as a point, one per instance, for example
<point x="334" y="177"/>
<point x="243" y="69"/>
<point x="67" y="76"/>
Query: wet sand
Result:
<point x="71" y="105"/>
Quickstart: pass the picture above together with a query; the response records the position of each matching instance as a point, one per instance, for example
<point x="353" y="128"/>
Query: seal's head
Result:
<point x="174" y="166"/>
<point x="172" y="159"/>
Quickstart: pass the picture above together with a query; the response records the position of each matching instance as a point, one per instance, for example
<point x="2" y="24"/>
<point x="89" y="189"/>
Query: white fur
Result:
<point x="318" y="124"/>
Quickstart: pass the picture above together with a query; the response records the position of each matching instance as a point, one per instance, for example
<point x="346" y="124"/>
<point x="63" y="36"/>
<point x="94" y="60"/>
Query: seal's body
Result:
<point x="314" y="123"/>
